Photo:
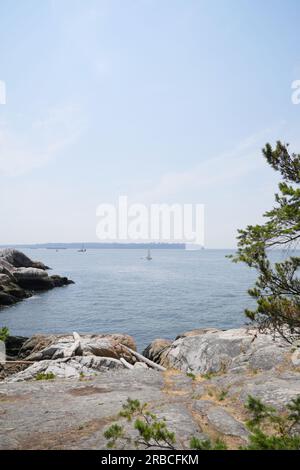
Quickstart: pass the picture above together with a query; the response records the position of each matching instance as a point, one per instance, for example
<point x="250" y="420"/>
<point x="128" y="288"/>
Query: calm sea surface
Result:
<point x="119" y="291"/>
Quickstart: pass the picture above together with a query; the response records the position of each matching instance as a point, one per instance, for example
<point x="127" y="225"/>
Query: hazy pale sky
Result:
<point x="161" y="100"/>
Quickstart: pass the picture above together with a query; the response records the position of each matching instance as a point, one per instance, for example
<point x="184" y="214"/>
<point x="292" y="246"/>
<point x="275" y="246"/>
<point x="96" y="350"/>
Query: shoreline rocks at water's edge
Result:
<point x="67" y="355"/>
<point x="210" y="373"/>
<point x="240" y="359"/>
<point x="236" y="362"/>
<point x="20" y="277"/>
<point x="211" y="351"/>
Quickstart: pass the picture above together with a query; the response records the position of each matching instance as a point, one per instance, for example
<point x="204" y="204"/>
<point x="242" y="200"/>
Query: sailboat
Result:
<point x="149" y="257"/>
<point x="82" y="250"/>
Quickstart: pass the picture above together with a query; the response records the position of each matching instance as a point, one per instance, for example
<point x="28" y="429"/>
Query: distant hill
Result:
<point x="101" y="246"/>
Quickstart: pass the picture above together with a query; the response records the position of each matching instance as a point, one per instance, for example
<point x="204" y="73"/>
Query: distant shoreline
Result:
<point x="93" y="246"/>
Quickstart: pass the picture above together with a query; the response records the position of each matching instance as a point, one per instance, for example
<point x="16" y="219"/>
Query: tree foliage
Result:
<point x="277" y="289"/>
<point x="270" y="430"/>
<point x="207" y="444"/>
<point x="151" y="432"/>
<point x="4" y="333"/>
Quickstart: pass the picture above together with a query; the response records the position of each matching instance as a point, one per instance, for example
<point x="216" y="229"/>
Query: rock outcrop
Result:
<point x="67" y="368"/>
<point x="210" y="375"/>
<point x="155" y="349"/>
<point x="234" y="364"/>
<point x="68" y="356"/>
<point x="43" y="347"/>
<point x="208" y="351"/>
<point x="20" y="277"/>
<point x="14" y="344"/>
<point x="19" y="260"/>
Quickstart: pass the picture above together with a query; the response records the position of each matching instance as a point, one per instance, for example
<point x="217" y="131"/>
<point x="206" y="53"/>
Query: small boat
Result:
<point x="149" y="257"/>
<point x="82" y="250"/>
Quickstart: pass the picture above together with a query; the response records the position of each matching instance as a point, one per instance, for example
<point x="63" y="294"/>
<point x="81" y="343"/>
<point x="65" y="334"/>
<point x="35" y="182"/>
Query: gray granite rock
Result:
<point x="180" y="421"/>
<point x="73" y="414"/>
<point x="273" y="388"/>
<point x="154" y="350"/>
<point x="69" y="368"/>
<point x="216" y="351"/>
<point x="239" y="362"/>
<point x="19" y="260"/>
<point x="225" y="423"/>
<point x="20" y="276"/>
<point x="202" y="406"/>
<point x="43" y="347"/>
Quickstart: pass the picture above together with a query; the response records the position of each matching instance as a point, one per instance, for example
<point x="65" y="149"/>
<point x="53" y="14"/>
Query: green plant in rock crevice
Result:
<point x="4" y="333"/>
<point x="45" y="376"/>
<point x="152" y="432"/>
<point x="269" y="429"/>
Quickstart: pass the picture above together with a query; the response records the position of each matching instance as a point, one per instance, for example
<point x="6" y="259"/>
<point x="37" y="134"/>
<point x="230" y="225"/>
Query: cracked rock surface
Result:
<point x="202" y="393"/>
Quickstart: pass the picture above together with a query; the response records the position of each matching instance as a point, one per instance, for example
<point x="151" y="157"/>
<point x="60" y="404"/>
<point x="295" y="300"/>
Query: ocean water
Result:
<point x="118" y="291"/>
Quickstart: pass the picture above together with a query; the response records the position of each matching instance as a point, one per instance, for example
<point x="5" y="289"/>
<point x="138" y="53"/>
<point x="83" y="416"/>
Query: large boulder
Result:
<point x="38" y="279"/>
<point x="35" y="344"/>
<point x="19" y="260"/>
<point x="215" y="351"/>
<point x="70" y="356"/>
<point x="4" y="279"/>
<point x="29" y="274"/>
<point x="154" y="350"/>
<point x="43" y="347"/>
<point x="70" y="368"/>
<point x="10" y="291"/>
<point x="14" y="344"/>
<point x="6" y="268"/>
<point x="32" y="278"/>
<point x="196" y="332"/>
<point x="20" y="276"/>
<point x="6" y="299"/>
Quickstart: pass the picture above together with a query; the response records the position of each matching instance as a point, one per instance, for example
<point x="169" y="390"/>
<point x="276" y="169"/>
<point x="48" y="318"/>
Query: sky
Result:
<point x="165" y="101"/>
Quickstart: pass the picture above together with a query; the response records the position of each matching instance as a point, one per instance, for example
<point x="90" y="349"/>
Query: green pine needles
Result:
<point x="151" y="432"/>
<point x="4" y="333"/>
<point x="277" y="289"/>
<point x="268" y="429"/>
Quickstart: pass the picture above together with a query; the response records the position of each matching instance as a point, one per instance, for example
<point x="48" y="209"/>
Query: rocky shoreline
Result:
<point x="198" y="383"/>
<point x="82" y="380"/>
<point x="20" y="277"/>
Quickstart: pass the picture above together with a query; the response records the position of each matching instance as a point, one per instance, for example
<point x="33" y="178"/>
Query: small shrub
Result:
<point x="112" y="434"/>
<point x="152" y="432"/>
<point x="191" y="375"/>
<point x="4" y="333"/>
<point x="222" y="395"/>
<point x="208" y="375"/>
<point x="207" y="444"/>
<point x="271" y="431"/>
<point x="43" y="376"/>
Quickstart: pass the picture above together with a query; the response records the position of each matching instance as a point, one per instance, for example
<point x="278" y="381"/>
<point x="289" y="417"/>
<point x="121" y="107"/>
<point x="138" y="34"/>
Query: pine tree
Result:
<point x="277" y="289"/>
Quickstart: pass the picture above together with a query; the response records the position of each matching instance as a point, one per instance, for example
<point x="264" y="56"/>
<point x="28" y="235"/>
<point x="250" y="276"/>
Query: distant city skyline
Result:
<point x="165" y="102"/>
